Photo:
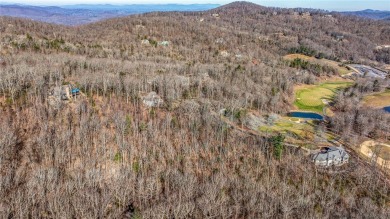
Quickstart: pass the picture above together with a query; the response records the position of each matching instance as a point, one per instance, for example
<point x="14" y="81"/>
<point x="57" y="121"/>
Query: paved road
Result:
<point x="367" y="71"/>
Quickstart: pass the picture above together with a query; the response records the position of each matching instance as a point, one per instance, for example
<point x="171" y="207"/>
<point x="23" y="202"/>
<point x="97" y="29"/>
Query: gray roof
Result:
<point x="153" y="100"/>
<point x="331" y="153"/>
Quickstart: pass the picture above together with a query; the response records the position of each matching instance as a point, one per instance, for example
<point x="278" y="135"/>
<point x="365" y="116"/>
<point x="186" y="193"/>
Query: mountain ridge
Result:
<point x="83" y="14"/>
<point x="79" y="14"/>
<point x="370" y="13"/>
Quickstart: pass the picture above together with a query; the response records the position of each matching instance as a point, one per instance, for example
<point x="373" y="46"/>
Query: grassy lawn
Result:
<point x="342" y="70"/>
<point x="382" y="151"/>
<point x="310" y="97"/>
<point x="294" y="119"/>
<point x="288" y="125"/>
<point x="378" y="100"/>
<point x="298" y="133"/>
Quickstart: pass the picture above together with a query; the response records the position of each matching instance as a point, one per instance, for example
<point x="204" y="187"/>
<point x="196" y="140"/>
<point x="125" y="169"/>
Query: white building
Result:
<point x="329" y="156"/>
<point x="152" y="100"/>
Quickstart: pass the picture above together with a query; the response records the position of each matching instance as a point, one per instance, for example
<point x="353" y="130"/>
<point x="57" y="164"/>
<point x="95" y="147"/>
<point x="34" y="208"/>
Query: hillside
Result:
<point x="186" y="115"/>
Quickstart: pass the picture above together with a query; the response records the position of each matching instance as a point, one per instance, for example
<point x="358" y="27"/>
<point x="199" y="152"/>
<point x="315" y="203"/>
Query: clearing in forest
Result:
<point x="378" y="100"/>
<point x="379" y="151"/>
<point x="382" y="151"/>
<point x="288" y="125"/>
<point x="314" y="97"/>
<point x="298" y="132"/>
<point x="342" y="70"/>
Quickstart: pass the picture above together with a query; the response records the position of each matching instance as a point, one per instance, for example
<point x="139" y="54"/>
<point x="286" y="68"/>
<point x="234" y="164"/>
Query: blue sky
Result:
<point x="322" y="4"/>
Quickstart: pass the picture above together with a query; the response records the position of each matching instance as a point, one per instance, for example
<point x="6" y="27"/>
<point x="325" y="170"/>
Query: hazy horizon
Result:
<point x="334" y="5"/>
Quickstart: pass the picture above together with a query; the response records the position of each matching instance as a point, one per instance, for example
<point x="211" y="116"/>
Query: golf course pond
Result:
<point x="306" y="115"/>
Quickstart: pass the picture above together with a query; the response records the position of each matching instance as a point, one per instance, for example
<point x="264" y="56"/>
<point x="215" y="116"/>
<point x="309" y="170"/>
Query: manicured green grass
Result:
<point x="294" y="119"/>
<point x="285" y="125"/>
<point x="309" y="98"/>
<point x="378" y="100"/>
<point x="297" y="133"/>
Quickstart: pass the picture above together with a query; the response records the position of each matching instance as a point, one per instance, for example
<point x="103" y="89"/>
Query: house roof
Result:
<point x="331" y="153"/>
<point x="152" y="100"/>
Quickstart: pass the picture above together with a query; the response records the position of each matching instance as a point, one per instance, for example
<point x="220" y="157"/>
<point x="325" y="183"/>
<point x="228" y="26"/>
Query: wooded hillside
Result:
<point x="105" y="154"/>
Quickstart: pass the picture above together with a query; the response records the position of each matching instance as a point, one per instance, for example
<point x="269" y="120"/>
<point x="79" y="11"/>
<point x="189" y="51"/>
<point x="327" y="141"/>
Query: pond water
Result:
<point x="387" y="109"/>
<point x="306" y="115"/>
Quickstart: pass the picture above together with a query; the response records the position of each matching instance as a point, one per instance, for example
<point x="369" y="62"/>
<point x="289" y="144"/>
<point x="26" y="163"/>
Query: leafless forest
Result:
<point x="106" y="155"/>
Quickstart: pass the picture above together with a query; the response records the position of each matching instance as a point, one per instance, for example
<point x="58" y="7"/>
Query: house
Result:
<point x="330" y="156"/>
<point x="163" y="43"/>
<point x="216" y="15"/>
<point x="278" y="34"/>
<point x="224" y="53"/>
<point x="139" y="26"/>
<point x="152" y="100"/>
<point x="337" y="36"/>
<point x="220" y="41"/>
<point x="145" y="42"/>
<point x="377" y="48"/>
<point x="295" y="13"/>
<point x="330" y="17"/>
<point x="64" y="92"/>
<point x="301" y="72"/>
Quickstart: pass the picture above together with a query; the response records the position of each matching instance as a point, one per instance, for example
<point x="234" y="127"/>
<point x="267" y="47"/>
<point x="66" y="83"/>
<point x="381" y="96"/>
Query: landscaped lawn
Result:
<point x="378" y="100"/>
<point x="298" y="133"/>
<point x="286" y="124"/>
<point x="310" y="97"/>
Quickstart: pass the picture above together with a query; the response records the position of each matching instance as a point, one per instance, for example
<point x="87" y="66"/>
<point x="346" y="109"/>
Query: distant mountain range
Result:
<point x="86" y="13"/>
<point x="372" y="14"/>
<point x="143" y="8"/>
